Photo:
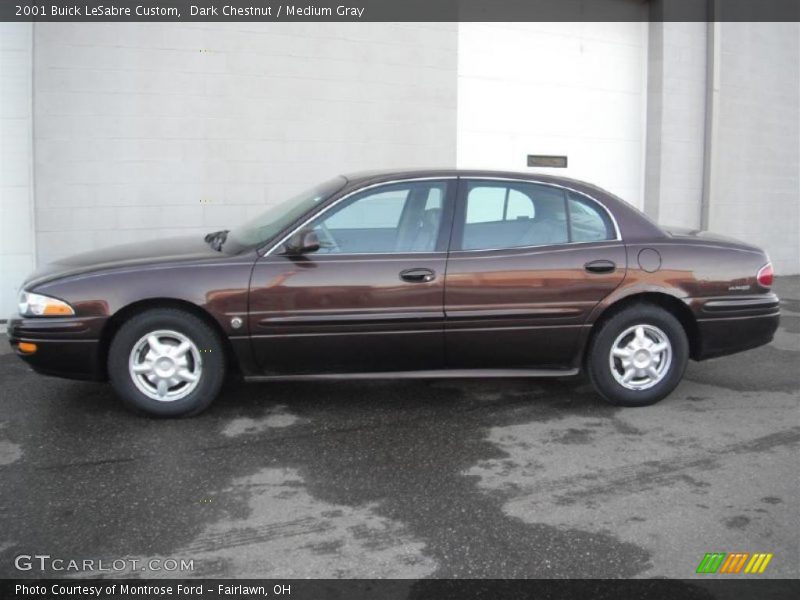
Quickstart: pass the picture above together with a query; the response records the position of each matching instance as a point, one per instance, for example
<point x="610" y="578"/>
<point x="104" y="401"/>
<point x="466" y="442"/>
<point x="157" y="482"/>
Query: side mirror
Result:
<point x="304" y="241"/>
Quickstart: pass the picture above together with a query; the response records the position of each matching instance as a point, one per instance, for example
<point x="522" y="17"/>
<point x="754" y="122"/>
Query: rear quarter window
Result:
<point x="588" y="221"/>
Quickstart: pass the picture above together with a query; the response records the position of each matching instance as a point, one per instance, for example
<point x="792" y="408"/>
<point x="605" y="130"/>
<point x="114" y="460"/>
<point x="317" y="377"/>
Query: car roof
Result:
<point x="362" y="177"/>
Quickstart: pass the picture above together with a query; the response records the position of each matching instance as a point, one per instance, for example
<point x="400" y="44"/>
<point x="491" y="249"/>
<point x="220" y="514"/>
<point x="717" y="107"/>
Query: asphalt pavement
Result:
<point x="410" y="479"/>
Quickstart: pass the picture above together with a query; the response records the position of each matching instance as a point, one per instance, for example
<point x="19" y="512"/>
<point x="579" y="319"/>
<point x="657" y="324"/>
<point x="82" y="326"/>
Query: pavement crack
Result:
<point x="256" y="535"/>
<point x="649" y="473"/>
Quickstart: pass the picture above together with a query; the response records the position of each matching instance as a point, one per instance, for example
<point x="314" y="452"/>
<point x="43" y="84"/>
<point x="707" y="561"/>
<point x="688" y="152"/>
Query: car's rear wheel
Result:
<point x="167" y="363"/>
<point x="638" y="356"/>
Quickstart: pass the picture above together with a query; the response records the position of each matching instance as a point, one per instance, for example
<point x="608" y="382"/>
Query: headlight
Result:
<point x="37" y="305"/>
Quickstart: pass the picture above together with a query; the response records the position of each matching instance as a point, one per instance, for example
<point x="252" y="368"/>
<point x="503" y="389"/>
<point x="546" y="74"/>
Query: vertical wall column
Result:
<point x="754" y="142"/>
<point x="17" y="240"/>
<point x="676" y="121"/>
<point x="723" y="132"/>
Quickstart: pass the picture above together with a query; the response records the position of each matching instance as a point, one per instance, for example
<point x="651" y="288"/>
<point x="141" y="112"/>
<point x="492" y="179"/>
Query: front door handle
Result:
<point x="600" y="266"/>
<point x="418" y="275"/>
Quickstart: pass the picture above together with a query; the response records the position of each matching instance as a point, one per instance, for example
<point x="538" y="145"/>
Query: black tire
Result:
<point x="204" y="338"/>
<point x="598" y="365"/>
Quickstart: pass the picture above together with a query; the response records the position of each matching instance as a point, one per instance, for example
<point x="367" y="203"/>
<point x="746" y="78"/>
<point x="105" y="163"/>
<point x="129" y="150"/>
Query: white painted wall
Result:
<point x="154" y="129"/>
<point x="148" y="130"/>
<point x="755" y="192"/>
<point x="676" y="117"/>
<point x="16" y="180"/>
<point x="556" y="88"/>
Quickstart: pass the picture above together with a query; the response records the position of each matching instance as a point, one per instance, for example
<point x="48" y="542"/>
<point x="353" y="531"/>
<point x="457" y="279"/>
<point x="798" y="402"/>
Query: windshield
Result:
<point x="277" y="218"/>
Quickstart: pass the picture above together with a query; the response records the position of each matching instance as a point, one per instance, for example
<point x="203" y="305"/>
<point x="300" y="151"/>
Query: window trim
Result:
<point x="450" y="209"/>
<point x="461" y="212"/>
<point x="324" y="209"/>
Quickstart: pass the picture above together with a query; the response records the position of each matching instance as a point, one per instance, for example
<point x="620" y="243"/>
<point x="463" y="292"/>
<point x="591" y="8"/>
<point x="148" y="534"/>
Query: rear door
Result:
<point x="528" y="262"/>
<point x="371" y="299"/>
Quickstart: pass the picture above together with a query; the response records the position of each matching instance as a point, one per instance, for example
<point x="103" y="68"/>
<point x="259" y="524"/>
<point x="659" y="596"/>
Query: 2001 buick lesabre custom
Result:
<point x="403" y="274"/>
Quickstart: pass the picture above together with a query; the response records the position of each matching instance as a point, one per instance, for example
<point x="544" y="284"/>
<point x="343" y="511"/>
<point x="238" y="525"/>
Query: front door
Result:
<point x="371" y="298"/>
<point x="528" y="263"/>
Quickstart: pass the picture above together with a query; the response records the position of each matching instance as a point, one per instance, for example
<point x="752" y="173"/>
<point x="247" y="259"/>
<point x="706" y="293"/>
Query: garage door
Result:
<point x="574" y="89"/>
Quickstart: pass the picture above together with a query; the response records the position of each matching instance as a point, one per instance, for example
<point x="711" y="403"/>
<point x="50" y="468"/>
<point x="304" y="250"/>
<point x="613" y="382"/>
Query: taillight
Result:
<point x="765" y="275"/>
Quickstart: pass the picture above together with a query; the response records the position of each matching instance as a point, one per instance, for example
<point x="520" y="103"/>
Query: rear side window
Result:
<point x="486" y="204"/>
<point x="588" y="222"/>
<point x="500" y="215"/>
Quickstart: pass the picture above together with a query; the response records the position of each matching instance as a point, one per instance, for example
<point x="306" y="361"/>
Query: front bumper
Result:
<point x="65" y="346"/>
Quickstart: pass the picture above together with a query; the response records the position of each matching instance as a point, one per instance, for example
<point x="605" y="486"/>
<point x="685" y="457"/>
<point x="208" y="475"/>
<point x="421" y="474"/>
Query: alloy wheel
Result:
<point x="640" y="357"/>
<point x="165" y="365"/>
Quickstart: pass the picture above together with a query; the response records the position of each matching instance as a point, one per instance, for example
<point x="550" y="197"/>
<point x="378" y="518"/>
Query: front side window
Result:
<point x="402" y="217"/>
<point x="512" y="215"/>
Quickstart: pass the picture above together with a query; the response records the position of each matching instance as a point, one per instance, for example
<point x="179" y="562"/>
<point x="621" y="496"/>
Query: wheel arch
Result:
<point x="134" y="308"/>
<point x="663" y="300"/>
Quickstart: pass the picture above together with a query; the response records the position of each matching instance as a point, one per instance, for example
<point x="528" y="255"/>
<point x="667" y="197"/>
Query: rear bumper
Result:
<point x="65" y="347"/>
<point x="727" y="325"/>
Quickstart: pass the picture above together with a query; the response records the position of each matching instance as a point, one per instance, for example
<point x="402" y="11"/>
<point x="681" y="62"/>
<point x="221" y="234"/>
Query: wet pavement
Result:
<point x="494" y="478"/>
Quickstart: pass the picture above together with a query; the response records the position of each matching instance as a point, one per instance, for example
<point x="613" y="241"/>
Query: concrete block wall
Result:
<point x="17" y="237"/>
<point x="148" y="130"/>
<point x="755" y="188"/>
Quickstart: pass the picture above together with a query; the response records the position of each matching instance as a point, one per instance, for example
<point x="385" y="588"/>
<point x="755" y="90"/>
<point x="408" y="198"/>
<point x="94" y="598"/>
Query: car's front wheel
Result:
<point x="167" y="363"/>
<point x="638" y="356"/>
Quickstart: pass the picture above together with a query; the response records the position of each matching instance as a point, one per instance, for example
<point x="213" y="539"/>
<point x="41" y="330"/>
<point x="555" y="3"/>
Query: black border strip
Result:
<point x="424" y="589"/>
<point x="400" y="10"/>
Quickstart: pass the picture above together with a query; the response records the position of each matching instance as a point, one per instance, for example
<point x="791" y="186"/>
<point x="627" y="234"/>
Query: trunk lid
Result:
<point x="706" y="236"/>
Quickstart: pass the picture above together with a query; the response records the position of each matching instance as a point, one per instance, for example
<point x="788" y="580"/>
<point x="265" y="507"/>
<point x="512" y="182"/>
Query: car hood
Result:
<point x="178" y="249"/>
<point x="706" y="236"/>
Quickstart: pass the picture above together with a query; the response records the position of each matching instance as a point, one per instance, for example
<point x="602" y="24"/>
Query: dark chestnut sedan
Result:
<point x="403" y="274"/>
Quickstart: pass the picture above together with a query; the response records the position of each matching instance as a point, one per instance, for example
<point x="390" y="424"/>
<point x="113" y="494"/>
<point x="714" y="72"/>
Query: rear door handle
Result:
<point x="418" y="275"/>
<point x="600" y="266"/>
